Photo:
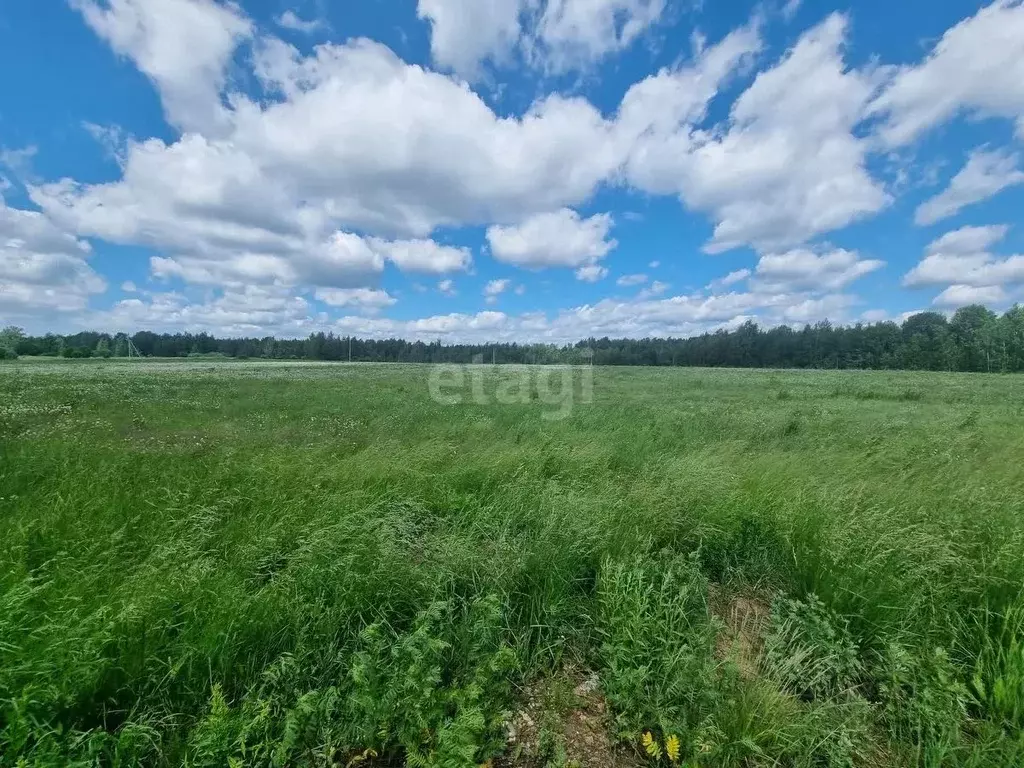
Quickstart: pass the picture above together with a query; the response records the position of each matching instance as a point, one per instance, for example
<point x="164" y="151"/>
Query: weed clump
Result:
<point x="810" y="651"/>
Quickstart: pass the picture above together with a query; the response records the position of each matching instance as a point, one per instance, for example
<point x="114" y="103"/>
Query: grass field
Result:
<point x="322" y="564"/>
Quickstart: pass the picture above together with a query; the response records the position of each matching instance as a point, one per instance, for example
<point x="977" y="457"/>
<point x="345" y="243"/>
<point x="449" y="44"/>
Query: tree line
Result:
<point x="973" y="339"/>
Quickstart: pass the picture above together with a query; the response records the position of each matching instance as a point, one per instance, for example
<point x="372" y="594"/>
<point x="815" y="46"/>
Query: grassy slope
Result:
<point x="293" y="563"/>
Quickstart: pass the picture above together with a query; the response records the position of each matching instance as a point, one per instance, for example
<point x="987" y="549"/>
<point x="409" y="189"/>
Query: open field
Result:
<point x="323" y="564"/>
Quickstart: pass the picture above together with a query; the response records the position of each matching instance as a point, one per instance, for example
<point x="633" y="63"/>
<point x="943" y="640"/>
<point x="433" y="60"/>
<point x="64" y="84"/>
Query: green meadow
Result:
<point x="301" y="564"/>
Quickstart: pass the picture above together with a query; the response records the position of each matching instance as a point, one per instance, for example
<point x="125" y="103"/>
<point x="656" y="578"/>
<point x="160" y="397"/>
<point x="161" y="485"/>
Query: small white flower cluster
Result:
<point x="25" y="409"/>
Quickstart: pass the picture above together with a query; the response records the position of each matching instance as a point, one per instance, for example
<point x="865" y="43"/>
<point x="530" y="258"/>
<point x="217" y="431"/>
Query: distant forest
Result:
<point x="974" y="339"/>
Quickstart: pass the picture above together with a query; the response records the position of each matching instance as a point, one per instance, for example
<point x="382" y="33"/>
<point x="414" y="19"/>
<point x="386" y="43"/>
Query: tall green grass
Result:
<point x="253" y="564"/>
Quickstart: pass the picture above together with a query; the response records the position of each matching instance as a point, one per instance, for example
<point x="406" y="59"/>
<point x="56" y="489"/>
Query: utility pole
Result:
<point x="350" y="348"/>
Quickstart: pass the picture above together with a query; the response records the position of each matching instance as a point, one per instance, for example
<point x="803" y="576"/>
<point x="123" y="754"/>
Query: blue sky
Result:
<point x="506" y="169"/>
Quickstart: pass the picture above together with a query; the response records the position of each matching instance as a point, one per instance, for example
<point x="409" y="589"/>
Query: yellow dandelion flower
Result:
<point x="651" y="745"/>
<point x="672" y="748"/>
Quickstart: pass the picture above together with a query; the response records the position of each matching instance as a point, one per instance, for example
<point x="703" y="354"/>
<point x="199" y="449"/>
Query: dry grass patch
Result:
<point x="745" y="622"/>
<point x="562" y="720"/>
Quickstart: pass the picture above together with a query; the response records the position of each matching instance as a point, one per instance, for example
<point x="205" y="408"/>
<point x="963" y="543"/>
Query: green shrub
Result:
<point x="429" y="697"/>
<point x="657" y="644"/>
<point x="997" y="682"/>
<point x="436" y="692"/>
<point x="75" y="353"/>
<point x="751" y="549"/>
<point x="923" y="700"/>
<point x="809" y="650"/>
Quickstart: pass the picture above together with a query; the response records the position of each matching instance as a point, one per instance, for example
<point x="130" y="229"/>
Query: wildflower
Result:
<point x="651" y="745"/>
<point x="672" y="748"/>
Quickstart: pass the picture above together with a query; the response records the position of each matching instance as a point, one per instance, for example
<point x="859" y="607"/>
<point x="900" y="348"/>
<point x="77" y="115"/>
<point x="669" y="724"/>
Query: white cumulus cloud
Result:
<point x="310" y="171"/>
<point x="787" y="165"/>
<point x="802" y="269"/>
<point x="365" y="298"/>
<point x="465" y="33"/>
<point x="736" y="276"/>
<point x="559" y="239"/>
<point x="423" y="255"/>
<point x="554" y="35"/>
<point x="575" y="33"/>
<point x="291" y="20"/>
<point x="183" y="46"/>
<point x="986" y="173"/>
<point x="977" y="67"/>
<point x="591" y="273"/>
<point x="628" y="280"/>
<point x="495" y="288"/>
<point x="42" y="268"/>
<point x="962" y="295"/>
<point x="962" y="258"/>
